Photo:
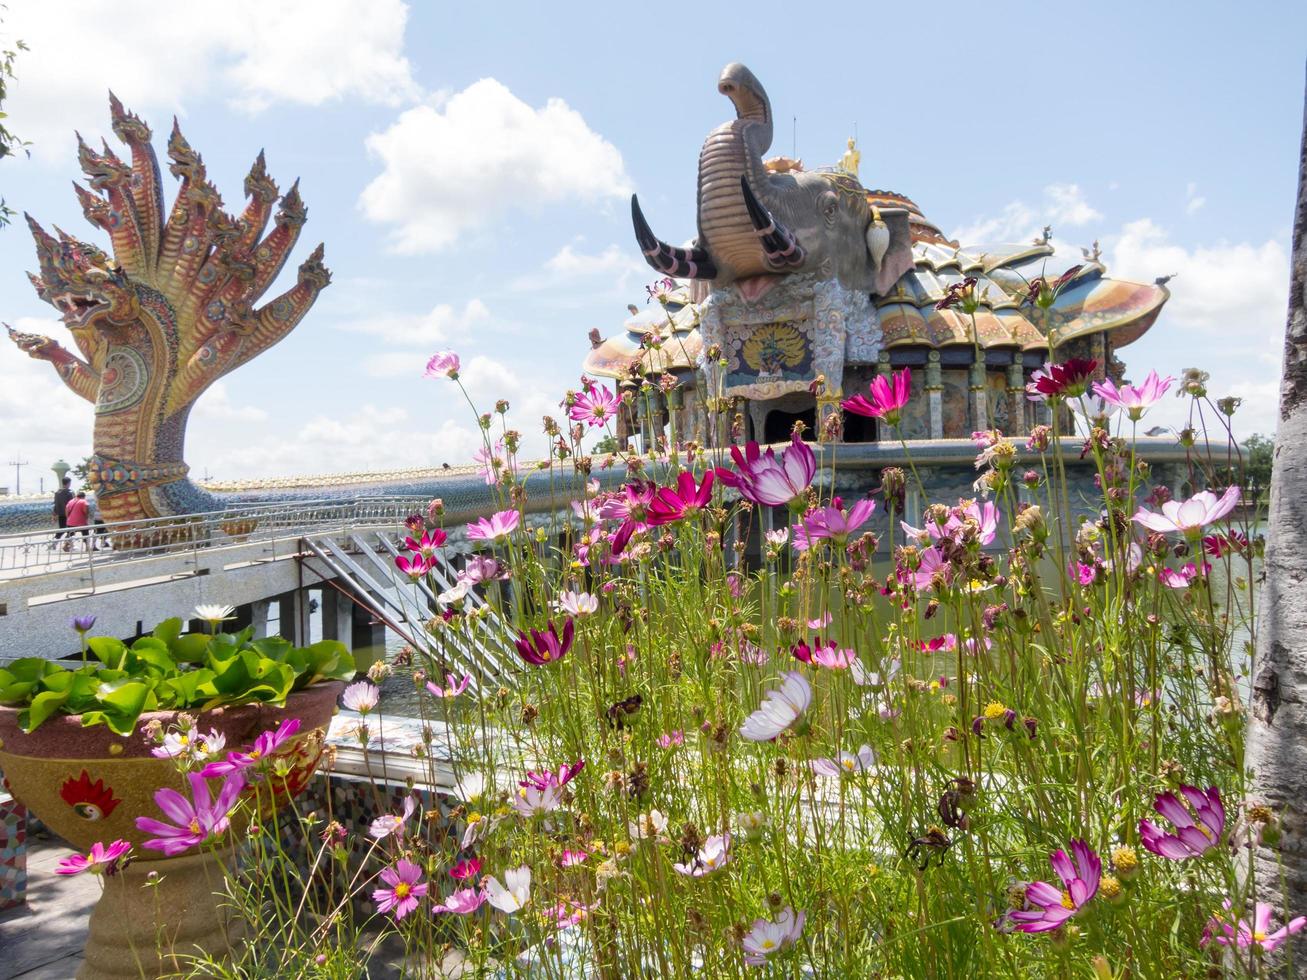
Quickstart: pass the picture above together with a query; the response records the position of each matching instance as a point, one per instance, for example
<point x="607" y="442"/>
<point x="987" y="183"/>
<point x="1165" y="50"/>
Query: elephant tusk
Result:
<point x="780" y="246"/>
<point x="683" y="263"/>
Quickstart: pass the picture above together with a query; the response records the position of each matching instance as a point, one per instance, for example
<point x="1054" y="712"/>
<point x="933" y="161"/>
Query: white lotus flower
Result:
<point x="780" y="709"/>
<point x="767" y="937"/>
<point x="213" y="613"/>
<point x="512" y="896"/>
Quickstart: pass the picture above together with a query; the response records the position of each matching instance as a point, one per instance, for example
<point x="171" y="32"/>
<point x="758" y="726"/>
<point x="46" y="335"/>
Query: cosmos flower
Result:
<point x="570" y="858"/>
<point x="778" y="537"/>
<point x="495" y="463"/>
<point x="453" y="686"/>
<point x="576" y="603"/>
<point x="403" y="889"/>
<point x="1193" y="837"/>
<point x="888" y="396"/>
<point x="847" y="764"/>
<point x="361" y="696"/>
<point x="414" y="566"/>
<point x="712" y="856"/>
<point x="559" y="777"/>
<point x="1180" y="578"/>
<point x="1069" y="379"/>
<point x="514" y="894"/>
<point x="825" y="653"/>
<point x="781" y="708"/>
<point x="1054" y="906"/>
<point x="428" y="544"/>
<point x="1191" y="516"/>
<point x="832" y="522"/>
<point x="195" y="820"/>
<point x="767" y="937"/>
<point x="932" y="564"/>
<point x="533" y="801"/>
<point x="764" y="479"/>
<point x="538" y="647"/>
<point x="101" y="859"/>
<point x="389" y="824"/>
<point x="465" y="901"/>
<point x="443" y="364"/>
<point x="594" y="407"/>
<point x="496" y="527"/>
<point x="686" y="500"/>
<point x="191" y="744"/>
<point x="1134" y="400"/>
<point x="1257" y="933"/>
<point x="671" y="739"/>
<point x="646" y="825"/>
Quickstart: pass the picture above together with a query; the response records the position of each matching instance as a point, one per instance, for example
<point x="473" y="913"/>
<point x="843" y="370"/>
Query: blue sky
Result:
<point x="468" y="168"/>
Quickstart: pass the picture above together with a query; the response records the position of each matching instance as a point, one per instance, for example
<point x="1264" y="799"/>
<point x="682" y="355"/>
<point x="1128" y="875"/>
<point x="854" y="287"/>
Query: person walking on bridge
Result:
<point x="61" y="498"/>
<point x="78" y="514"/>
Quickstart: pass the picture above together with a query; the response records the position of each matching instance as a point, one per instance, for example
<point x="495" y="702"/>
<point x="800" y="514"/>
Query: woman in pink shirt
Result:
<point x="77" y="513"/>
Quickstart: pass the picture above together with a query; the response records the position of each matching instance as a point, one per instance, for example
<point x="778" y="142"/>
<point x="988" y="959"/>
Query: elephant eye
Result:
<point x="830" y="204"/>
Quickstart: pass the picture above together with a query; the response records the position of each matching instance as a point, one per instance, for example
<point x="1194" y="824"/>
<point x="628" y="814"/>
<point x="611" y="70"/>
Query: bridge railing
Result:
<point x="57" y="550"/>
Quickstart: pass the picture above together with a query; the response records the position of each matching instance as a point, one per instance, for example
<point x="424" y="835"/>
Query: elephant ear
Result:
<point x="898" y="257"/>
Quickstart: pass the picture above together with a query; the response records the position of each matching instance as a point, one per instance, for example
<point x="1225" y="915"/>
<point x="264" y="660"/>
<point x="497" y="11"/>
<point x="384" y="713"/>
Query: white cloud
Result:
<point x="216" y="404"/>
<point x="1193" y="200"/>
<point x="441" y="324"/>
<point x="617" y="266"/>
<point x="457" y="163"/>
<point x="157" y="60"/>
<point x="1062" y="205"/>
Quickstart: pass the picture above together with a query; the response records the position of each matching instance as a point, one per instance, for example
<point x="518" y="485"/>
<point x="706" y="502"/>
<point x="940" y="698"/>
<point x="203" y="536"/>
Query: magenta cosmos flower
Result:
<point x="832" y="522"/>
<point x="1135" y="400"/>
<point x="1069" y="379"/>
<point x="414" y="566"/>
<point x="101" y="859"/>
<point x="1257" y="933"/>
<point x="764" y="479"/>
<point x="467" y="868"/>
<point x="443" y="364"/>
<point x="539" y="647"/>
<point x="560" y="777"/>
<point x="403" y="889"/>
<point x="454" y="686"/>
<point x="594" y="407"/>
<point x="888" y="396"/>
<point x="194" y="821"/>
<point x="497" y="527"/>
<point x="671" y="505"/>
<point x="265" y="745"/>
<point x="1191" y="516"/>
<point x="1052" y="905"/>
<point x="428" y="543"/>
<point x="824" y="653"/>
<point x="1197" y="832"/>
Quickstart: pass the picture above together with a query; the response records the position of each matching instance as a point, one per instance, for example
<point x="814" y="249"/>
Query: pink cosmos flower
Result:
<point x="265" y="745"/>
<point x="1053" y="906"/>
<point x="832" y="522"/>
<point x="1082" y="573"/>
<point x="1191" y="516"/>
<point x="1193" y="838"/>
<point x="496" y="527"/>
<point x="847" y="764"/>
<point x="361" y="696"/>
<point x="669" y="739"/>
<point x="482" y="568"/>
<point x="453" y="686"/>
<point x="1067" y="380"/>
<point x="764" y="479"/>
<point x="428" y="544"/>
<point x="594" y="407"/>
<point x="541" y="647"/>
<point x="1135" y="400"/>
<point x="826" y="654"/>
<point x="1257" y="933"/>
<point x="194" y="821"/>
<point x="389" y="824"/>
<point x="414" y="566"/>
<point x="569" y="858"/>
<point x="531" y="800"/>
<point x="686" y="500"/>
<point x="465" y="901"/>
<point x="443" y="364"/>
<point x="1180" y="578"/>
<point x="559" y="777"/>
<point x="404" y="888"/>
<point x="767" y="937"/>
<point x="100" y="860"/>
<point x="985" y="515"/>
<point x="821" y="622"/>
<point x="712" y="856"/>
<point x="496" y="463"/>
<point x="932" y="564"/>
<point x="576" y="603"/>
<point x="888" y="396"/>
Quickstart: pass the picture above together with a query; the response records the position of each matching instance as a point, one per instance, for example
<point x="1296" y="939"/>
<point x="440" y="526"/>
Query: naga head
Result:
<point x="81" y="281"/>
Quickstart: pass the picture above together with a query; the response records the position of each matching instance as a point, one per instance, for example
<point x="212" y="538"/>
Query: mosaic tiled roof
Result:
<point x="680" y="347"/>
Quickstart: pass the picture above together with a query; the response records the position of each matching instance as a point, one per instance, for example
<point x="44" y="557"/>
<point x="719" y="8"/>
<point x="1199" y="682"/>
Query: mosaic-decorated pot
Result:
<point x="89" y="784"/>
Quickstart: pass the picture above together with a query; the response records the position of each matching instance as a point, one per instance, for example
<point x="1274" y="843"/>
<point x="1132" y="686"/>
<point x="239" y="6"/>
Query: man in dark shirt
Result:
<point x="61" y="498"/>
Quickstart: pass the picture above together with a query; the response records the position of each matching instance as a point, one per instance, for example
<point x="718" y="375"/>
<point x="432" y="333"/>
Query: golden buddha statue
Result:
<point x="851" y="159"/>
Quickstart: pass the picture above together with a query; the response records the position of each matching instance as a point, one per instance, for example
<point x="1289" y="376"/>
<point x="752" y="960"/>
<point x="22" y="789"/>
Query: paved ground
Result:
<point x="43" y="939"/>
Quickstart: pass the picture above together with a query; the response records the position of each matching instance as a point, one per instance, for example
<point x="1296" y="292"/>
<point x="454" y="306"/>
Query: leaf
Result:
<point x="188" y="689"/>
<point x="154" y="651"/>
<point x="273" y="647"/>
<point x="107" y="649"/>
<point x="168" y="631"/>
<point x="42" y="707"/>
<point x="190" y="649"/>
<point x="124" y="704"/>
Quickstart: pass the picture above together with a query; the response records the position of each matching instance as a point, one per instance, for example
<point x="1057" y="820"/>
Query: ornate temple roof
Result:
<point x="680" y="347"/>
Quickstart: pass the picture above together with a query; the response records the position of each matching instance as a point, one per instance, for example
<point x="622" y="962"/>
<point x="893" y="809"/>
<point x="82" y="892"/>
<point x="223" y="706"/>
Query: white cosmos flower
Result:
<point x="846" y="765"/>
<point x="577" y="603"/>
<point x="361" y="696"/>
<point x="514" y="894"/>
<point x="456" y="593"/>
<point x="531" y="801"/>
<point x="767" y="937"/>
<point x="870" y="678"/>
<point x="714" y="854"/>
<point x="651" y="824"/>
<point x="780" y="709"/>
<point x="471" y="787"/>
<point x="389" y="823"/>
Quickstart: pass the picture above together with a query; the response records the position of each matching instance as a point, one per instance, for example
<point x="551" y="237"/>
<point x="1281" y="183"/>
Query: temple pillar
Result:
<point x="292" y="612"/>
<point x="337" y="616"/>
<point x="1016" y="394"/>
<point x="367" y="638"/>
<point x="979" y="398"/>
<point x="260" y="610"/>
<point x="935" y="395"/>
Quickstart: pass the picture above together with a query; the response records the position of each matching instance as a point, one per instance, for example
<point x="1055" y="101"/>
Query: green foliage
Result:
<point x="1259" y="454"/>
<point x="8" y="141"/>
<point x="168" y="670"/>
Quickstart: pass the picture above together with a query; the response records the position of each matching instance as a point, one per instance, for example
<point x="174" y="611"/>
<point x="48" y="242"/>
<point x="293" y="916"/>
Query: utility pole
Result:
<point x="18" y="465"/>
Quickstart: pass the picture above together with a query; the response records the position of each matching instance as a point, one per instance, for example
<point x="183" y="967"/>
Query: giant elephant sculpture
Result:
<point x="755" y="223"/>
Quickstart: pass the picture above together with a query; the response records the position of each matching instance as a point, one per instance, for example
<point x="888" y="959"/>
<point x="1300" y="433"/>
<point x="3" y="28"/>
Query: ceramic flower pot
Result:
<point x="88" y="785"/>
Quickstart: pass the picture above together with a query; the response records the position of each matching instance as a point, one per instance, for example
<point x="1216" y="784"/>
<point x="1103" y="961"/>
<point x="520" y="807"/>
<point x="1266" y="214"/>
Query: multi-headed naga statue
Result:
<point x="170" y="313"/>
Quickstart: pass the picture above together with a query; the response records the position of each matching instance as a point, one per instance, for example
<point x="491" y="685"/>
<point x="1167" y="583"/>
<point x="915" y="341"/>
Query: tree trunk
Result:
<point x="1277" y="719"/>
